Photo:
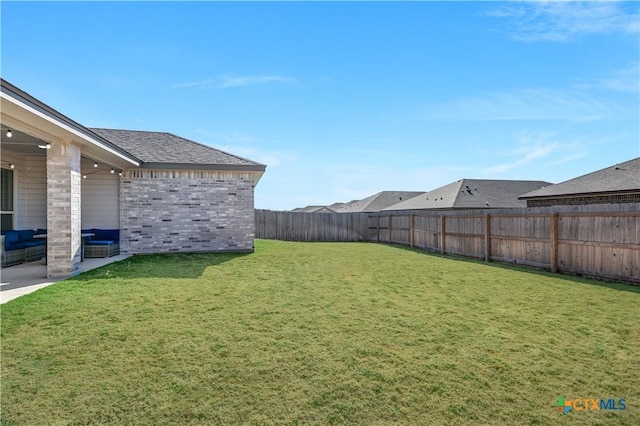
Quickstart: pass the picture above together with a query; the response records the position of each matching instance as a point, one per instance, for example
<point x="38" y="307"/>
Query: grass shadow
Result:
<point x="614" y="285"/>
<point x="170" y="265"/>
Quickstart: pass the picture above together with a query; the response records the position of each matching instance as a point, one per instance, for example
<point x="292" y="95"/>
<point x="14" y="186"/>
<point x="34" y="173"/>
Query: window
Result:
<point x="6" y="199"/>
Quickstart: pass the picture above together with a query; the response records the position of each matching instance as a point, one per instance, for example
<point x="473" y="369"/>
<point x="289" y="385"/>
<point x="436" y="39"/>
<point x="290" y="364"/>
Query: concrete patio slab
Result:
<point x="26" y="278"/>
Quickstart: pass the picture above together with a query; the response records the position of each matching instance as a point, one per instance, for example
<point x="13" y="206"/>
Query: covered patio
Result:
<point x="57" y="176"/>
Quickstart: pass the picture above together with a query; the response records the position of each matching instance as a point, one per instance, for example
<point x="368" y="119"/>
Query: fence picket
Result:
<point x="601" y="241"/>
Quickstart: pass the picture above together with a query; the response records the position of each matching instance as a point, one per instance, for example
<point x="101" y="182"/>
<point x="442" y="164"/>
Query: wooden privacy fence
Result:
<point x="597" y="244"/>
<point x="297" y="226"/>
<point x="601" y="244"/>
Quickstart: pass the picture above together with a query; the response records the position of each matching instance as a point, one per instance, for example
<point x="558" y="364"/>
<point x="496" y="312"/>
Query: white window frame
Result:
<point x="15" y="187"/>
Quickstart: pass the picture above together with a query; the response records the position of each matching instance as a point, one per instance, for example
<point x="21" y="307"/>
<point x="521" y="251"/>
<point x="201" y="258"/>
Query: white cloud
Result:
<point x="528" y="104"/>
<point x="563" y="21"/>
<point x="523" y="156"/>
<point x="246" y="145"/>
<point x="568" y="158"/>
<point x="251" y="81"/>
<point x="622" y="80"/>
<point x="226" y="82"/>
<point x="547" y="148"/>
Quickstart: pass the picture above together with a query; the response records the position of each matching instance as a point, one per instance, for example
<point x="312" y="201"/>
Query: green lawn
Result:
<point x="300" y="333"/>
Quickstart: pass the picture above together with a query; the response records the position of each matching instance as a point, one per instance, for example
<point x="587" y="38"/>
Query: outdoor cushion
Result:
<point x="87" y="231"/>
<point x="25" y="234"/>
<point x="26" y="244"/>
<point x="100" y="243"/>
<point x="106" y="235"/>
<point x="16" y="240"/>
<point x="10" y="237"/>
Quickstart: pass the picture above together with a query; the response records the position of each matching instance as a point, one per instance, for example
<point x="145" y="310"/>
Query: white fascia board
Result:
<point x="67" y="128"/>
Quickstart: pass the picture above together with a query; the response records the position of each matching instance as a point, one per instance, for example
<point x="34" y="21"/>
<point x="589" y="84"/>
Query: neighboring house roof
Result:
<point x="163" y="150"/>
<point x="378" y="201"/>
<point x="621" y="178"/>
<point x="472" y="194"/>
<point x="336" y="206"/>
<point x="314" y="209"/>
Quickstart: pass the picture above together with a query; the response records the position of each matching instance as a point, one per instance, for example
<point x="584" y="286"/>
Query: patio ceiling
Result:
<point x="32" y="123"/>
<point x="21" y="143"/>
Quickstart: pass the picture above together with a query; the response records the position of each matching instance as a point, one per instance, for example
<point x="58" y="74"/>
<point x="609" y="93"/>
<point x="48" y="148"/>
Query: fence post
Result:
<point x="412" y="218"/>
<point x="442" y="233"/>
<point x="553" y="252"/>
<point x="377" y="229"/>
<point x="390" y="219"/>
<point x="487" y="237"/>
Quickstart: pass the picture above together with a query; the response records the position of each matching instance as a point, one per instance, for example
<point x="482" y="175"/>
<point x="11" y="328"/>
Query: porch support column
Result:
<point x="63" y="209"/>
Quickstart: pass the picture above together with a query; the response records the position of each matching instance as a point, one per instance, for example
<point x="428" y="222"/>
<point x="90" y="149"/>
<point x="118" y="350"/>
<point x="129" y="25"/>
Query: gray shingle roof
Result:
<point x="314" y="209"/>
<point x="377" y="202"/>
<point x="157" y="148"/>
<point x="619" y="178"/>
<point x="472" y="194"/>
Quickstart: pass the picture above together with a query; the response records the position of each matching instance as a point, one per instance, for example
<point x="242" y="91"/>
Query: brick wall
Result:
<point x="186" y="211"/>
<point x="580" y="201"/>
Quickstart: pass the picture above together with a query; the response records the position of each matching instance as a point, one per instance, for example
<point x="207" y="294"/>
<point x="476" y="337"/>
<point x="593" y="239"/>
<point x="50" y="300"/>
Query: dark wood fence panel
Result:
<point x="400" y="227"/>
<point x="464" y="235"/>
<point x="426" y="232"/>
<point x="520" y="239"/>
<point x="599" y="245"/>
<point x="597" y="241"/>
<point x="296" y="226"/>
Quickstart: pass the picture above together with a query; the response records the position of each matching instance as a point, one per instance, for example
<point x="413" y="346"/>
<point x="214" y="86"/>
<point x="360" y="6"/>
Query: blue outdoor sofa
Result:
<point x="103" y="243"/>
<point x="20" y="247"/>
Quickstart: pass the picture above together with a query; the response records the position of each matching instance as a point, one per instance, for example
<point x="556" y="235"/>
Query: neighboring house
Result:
<point x="314" y="209"/>
<point x="377" y="202"/>
<point x="619" y="183"/>
<point x="472" y="194"/>
<point x="163" y="192"/>
<point x="336" y="206"/>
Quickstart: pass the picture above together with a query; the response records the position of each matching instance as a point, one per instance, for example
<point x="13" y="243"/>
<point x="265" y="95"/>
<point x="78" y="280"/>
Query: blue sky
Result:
<point x="345" y="99"/>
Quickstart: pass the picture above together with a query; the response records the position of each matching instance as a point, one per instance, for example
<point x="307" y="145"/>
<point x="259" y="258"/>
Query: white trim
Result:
<point x="67" y="128"/>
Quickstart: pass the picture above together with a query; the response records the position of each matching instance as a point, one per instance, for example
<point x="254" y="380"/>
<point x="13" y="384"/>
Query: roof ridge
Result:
<point x="184" y="139"/>
<point x="458" y="192"/>
<point x="372" y="198"/>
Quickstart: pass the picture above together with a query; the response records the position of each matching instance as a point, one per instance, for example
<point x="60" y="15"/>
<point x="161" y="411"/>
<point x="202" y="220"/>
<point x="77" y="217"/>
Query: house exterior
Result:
<point x="314" y="209"/>
<point x="472" y="194"/>
<point x="163" y="192"/>
<point x="619" y="183"/>
<point x="377" y="202"/>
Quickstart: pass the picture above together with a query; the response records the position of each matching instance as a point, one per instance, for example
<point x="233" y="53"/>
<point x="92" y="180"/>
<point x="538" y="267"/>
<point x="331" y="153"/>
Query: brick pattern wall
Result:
<point x="63" y="209"/>
<point x="580" y="201"/>
<point x="186" y="211"/>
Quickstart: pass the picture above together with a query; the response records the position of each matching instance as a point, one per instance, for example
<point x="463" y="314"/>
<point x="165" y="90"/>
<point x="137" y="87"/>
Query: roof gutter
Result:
<point x="216" y="167"/>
